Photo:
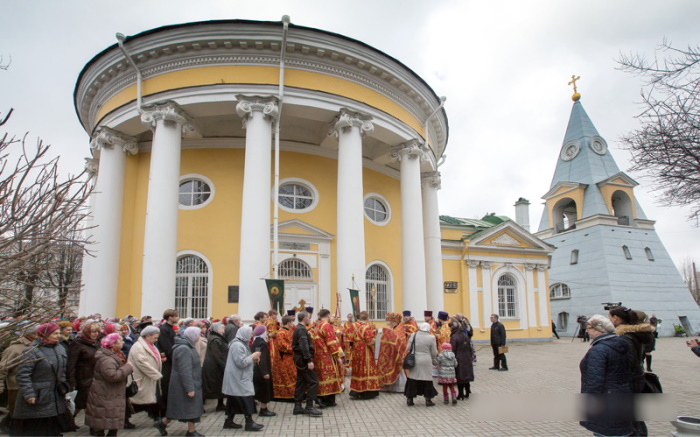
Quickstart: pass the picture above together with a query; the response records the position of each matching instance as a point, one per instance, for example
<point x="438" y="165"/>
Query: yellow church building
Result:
<point x="193" y="126"/>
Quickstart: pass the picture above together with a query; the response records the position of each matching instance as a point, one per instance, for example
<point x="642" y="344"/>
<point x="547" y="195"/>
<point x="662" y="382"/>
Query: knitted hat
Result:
<point x="44" y="330"/>
<point x="427" y="314"/>
<point x="446" y="346"/>
<point x="407" y="313"/>
<point x="442" y="316"/>
<point x="110" y="328"/>
<point x="110" y="340"/>
<point x="259" y="330"/>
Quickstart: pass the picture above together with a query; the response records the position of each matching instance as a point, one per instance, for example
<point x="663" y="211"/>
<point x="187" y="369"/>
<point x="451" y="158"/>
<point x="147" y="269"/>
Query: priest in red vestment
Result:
<point x="364" y="383"/>
<point x="391" y="352"/>
<point x="327" y="357"/>
<point x="284" y="373"/>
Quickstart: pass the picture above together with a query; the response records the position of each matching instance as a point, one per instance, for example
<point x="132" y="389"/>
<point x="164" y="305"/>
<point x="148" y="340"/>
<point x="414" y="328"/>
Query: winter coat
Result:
<point x="498" y="334"/>
<point x="462" y="349"/>
<point x="186" y="377"/>
<point x="201" y="347"/>
<point x="447" y="363"/>
<point x="36" y="378"/>
<point x="129" y="341"/>
<point x="639" y="337"/>
<point x="81" y="362"/>
<point x="147" y="372"/>
<point x="263" y="387"/>
<point x="426" y="351"/>
<point x="238" y="376"/>
<point x="230" y="332"/>
<point x="214" y="365"/>
<point x="606" y="369"/>
<point x="11" y="355"/>
<point x="106" y="406"/>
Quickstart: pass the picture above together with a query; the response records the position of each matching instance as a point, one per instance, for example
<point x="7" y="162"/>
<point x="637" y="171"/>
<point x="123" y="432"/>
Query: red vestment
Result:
<point x="327" y="353"/>
<point x="365" y="375"/>
<point x="284" y="373"/>
<point x="443" y="336"/>
<point x="390" y="363"/>
<point x="272" y="327"/>
<point x="348" y="333"/>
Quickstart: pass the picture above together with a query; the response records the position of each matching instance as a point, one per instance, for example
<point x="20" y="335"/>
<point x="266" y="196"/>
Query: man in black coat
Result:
<point x="166" y="341"/>
<point x="498" y="339"/>
<point x="307" y="381"/>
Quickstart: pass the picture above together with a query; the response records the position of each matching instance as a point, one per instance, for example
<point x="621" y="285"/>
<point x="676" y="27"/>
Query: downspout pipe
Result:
<point x="280" y="102"/>
<point x="139" y="102"/>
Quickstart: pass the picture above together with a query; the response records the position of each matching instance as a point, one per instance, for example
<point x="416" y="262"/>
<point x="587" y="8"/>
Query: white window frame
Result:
<point x="298" y="181"/>
<point x="515" y="302"/>
<point x="209" y="275"/>
<point x="382" y="200"/>
<point x="389" y="287"/>
<point x="556" y="291"/>
<point x="202" y="178"/>
<point x="303" y="263"/>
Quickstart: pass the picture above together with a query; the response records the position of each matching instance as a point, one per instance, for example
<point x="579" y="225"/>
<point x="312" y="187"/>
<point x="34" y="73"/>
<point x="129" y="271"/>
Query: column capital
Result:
<point x="91" y="166"/>
<point x="247" y="105"/>
<point x="167" y="111"/>
<point x="541" y="267"/>
<point x="486" y="265"/>
<point x="347" y="119"/>
<point x="431" y="178"/>
<point x="473" y="264"/>
<point x="413" y="148"/>
<point x="529" y="267"/>
<point x="106" y="138"/>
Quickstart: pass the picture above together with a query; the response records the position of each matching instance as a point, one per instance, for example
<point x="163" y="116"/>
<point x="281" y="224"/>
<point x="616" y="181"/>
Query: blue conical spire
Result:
<point x="580" y="125"/>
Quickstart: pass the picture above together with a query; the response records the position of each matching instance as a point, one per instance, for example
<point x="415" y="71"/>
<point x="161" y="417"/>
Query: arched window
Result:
<point x="626" y="251"/>
<point x="564" y="215"/>
<point x="559" y="291"/>
<point x="507" y="292"/>
<point x="294" y="269"/>
<point x="650" y="256"/>
<point x="563" y="321"/>
<point x="622" y="207"/>
<point x="378" y="287"/>
<point x="192" y="287"/>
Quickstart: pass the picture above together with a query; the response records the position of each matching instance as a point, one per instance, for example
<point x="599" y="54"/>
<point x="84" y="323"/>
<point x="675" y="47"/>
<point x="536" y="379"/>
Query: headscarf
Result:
<point x="110" y="328"/>
<point x="215" y="327"/>
<point x="44" y="330"/>
<point x="244" y="333"/>
<point x="110" y="340"/>
<point x="260" y="331"/>
<point x="87" y="328"/>
<point x="425" y="327"/>
<point x="191" y="333"/>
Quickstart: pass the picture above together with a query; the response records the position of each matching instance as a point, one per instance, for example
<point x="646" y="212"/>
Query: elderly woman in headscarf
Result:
<point x="81" y="362"/>
<point x="463" y="348"/>
<point x="147" y="373"/>
<point x="185" y="402"/>
<point x="214" y="365"/>
<point x="238" y="381"/>
<point x="262" y="372"/>
<point x="42" y="385"/>
<point x="420" y="377"/>
<point x="106" y="409"/>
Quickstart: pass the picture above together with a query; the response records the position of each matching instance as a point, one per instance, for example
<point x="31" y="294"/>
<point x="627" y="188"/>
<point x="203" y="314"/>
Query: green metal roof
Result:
<point x="475" y="225"/>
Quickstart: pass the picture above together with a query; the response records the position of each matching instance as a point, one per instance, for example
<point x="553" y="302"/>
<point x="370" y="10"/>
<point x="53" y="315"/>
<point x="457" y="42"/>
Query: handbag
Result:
<point x="410" y="361"/>
<point x="503" y="349"/>
<point x="132" y="388"/>
<point x="652" y="383"/>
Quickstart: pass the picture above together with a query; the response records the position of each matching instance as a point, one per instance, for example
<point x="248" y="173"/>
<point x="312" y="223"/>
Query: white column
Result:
<point x="530" y="295"/>
<point x="168" y="121"/>
<point x="258" y="114"/>
<point x="102" y="271"/>
<point x="473" y="295"/>
<point x="543" y="291"/>
<point x="486" y="287"/>
<point x="91" y="169"/>
<point x="430" y="183"/>
<point x="412" y="243"/>
<point x="349" y="127"/>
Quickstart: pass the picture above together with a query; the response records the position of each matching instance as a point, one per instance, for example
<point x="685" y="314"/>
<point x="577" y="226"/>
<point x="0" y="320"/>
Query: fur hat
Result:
<point x="446" y="346"/>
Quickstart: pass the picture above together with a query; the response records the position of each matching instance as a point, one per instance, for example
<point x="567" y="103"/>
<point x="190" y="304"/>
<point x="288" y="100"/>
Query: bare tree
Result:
<point x="690" y="276"/>
<point x="667" y="146"/>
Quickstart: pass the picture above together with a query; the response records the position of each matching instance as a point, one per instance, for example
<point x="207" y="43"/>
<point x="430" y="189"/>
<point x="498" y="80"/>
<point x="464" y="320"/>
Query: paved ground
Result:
<point x="536" y="369"/>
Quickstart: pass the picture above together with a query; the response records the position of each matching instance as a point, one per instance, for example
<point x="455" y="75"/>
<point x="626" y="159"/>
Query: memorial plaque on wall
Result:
<point x="233" y="294"/>
<point x="451" y="286"/>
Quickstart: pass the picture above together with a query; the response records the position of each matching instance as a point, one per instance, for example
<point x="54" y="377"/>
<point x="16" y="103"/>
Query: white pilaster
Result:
<point x="168" y="122"/>
<point x="530" y="293"/>
<point x="432" y="241"/>
<point x="258" y="114"/>
<point x="487" y="295"/>
<point x="101" y="271"/>
<point x="473" y="295"/>
<point x="349" y="127"/>
<point x="543" y="291"/>
<point x="412" y="244"/>
<point x="91" y="168"/>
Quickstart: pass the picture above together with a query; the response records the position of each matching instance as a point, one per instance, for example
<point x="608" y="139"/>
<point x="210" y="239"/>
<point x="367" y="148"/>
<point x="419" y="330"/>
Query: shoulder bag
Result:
<point x="132" y="388"/>
<point x="410" y="361"/>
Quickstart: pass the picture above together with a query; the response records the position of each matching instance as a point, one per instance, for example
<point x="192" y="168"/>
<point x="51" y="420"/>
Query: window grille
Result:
<point x="506" y="296"/>
<point x="375" y="210"/>
<point x="294" y="269"/>
<point x="377" y="287"/>
<point x="192" y="287"/>
<point x="559" y="291"/>
<point x="295" y="196"/>
<point x="194" y="192"/>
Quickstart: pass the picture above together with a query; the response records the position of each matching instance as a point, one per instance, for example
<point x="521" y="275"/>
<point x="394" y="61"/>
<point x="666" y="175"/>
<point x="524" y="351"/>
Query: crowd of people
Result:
<point x="115" y="368"/>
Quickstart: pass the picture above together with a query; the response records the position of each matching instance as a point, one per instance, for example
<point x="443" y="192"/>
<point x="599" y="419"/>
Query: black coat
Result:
<point x="464" y="372"/>
<point x="81" y="363"/>
<point x="605" y="369"/>
<point x="165" y="344"/>
<point x="214" y="365"/>
<point x="302" y="345"/>
<point x="498" y="334"/>
<point x="37" y="377"/>
<point x="263" y="387"/>
<point x="640" y="338"/>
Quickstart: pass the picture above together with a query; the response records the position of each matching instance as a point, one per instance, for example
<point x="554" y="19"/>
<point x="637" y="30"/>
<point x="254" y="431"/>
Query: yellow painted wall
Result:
<point x="608" y="190"/>
<point x="575" y="194"/>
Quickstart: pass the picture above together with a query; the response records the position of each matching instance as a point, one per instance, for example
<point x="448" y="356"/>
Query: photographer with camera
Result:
<point x="694" y="346"/>
<point x="582" y="331"/>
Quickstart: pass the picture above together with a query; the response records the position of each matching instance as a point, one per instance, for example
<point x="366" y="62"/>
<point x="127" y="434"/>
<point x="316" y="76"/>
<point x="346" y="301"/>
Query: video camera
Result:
<point x="607" y="306"/>
<point x="580" y="319"/>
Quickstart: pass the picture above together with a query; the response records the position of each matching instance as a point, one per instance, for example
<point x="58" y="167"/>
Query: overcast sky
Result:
<point x="503" y="66"/>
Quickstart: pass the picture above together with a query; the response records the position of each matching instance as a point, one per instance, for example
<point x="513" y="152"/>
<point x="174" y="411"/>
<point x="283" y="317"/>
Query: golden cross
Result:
<point x="574" y="78"/>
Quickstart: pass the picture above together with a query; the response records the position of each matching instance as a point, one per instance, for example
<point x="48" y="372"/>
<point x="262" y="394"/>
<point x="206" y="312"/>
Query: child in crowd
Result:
<point x="447" y="362"/>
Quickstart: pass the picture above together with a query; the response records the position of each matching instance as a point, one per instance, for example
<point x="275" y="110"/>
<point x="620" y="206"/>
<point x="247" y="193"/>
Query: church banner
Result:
<point x="355" y="300"/>
<point x="275" y="290"/>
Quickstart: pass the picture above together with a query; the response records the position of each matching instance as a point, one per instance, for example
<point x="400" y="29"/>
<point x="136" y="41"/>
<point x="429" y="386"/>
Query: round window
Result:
<point x="295" y="197"/>
<point x="376" y="209"/>
<point x="194" y="192"/>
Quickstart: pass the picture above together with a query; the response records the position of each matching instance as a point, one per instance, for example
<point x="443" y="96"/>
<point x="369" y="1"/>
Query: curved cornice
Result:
<point x="254" y="43"/>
